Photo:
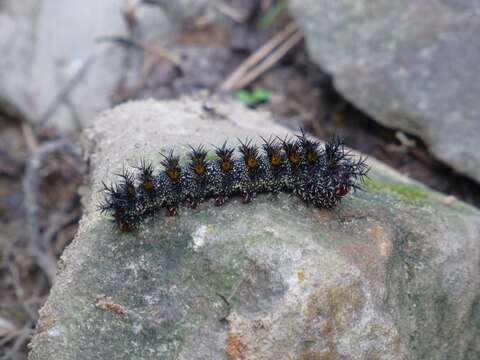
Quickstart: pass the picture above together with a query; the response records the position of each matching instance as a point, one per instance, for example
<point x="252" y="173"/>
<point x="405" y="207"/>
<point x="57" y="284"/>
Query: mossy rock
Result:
<point x="391" y="273"/>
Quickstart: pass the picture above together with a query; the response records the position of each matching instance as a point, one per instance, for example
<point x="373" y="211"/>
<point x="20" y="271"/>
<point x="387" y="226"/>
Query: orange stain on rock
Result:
<point x="235" y="348"/>
<point x="301" y="276"/>
<point x="384" y="240"/>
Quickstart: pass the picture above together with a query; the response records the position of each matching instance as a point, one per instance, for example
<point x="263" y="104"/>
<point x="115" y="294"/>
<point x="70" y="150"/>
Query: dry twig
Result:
<point x="236" y="15"/>
<point x="38" y="247"/>
<point x="263" y="59"/>
<point x="29" y="135"/>
<point x="270" y="61"/>
<point x="65" y="92"/>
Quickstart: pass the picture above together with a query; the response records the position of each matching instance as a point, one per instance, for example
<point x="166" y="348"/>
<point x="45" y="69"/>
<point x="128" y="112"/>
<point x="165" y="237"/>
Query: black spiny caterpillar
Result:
<point x="321" y="176"/>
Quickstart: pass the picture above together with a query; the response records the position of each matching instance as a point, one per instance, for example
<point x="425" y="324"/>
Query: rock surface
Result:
<point x="412" y="65"/>
<point x="392" y="273"/>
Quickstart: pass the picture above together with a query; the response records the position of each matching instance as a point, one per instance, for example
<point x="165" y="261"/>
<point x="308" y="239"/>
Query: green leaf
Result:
<point x="244" y="97"/>
<point x="253" y="98"/>
<point x="260" y="96"/>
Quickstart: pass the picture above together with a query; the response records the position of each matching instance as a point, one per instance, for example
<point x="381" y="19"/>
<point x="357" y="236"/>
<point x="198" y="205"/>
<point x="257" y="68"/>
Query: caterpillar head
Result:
<point x="341" y="173"/>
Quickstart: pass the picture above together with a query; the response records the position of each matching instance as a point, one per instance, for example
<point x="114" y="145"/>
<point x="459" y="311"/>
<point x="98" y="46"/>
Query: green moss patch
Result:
<point x="406" y="193"/>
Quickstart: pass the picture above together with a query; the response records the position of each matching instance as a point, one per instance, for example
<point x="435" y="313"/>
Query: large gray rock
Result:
<point x="412" y="65"/>
<point x="47" y="44"/>
<point x="49" y="49"/>
<point x="391" y="273"/>
<point x="44" y="43"/>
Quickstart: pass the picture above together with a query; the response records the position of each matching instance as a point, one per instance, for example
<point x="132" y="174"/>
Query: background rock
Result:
<point x="45" y="43"/>
<point x="412" y="65"/>
<point x="41" y="58"/>
<point x="392" y="273"/>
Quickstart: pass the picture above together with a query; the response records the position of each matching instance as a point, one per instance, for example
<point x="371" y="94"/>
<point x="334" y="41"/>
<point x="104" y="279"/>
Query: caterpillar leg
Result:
<point x="220" y="200"/>
<point x="171" y="210"/>
<point x="247" y="197"/>
<point x="192" y="203"/>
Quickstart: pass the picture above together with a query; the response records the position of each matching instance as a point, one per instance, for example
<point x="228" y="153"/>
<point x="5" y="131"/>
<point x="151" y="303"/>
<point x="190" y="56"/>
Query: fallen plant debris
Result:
<point x="108" y="305"/>
<point x="39" y="212"/>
